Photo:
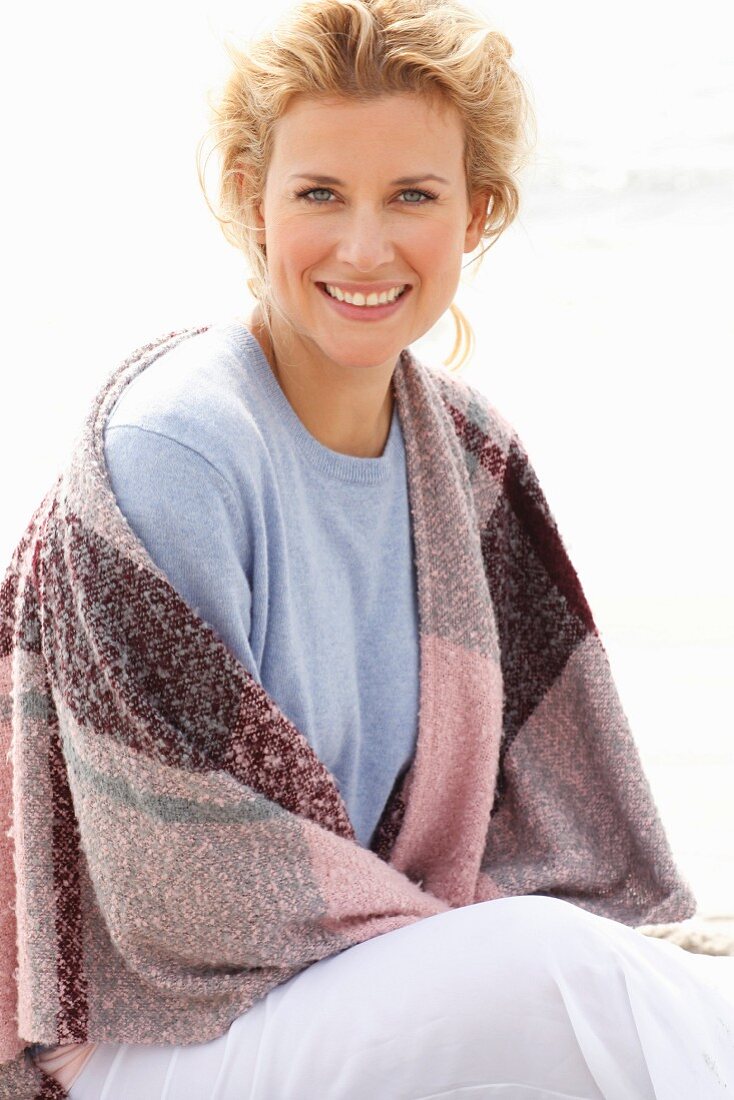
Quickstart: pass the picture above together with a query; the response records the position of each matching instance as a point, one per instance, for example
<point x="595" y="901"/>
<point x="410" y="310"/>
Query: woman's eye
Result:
<point x="315" y="191"/>
<point x="427" y="195"/>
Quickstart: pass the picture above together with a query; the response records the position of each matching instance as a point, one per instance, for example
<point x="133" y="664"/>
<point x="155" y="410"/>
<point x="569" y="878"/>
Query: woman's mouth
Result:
<point x="365" y="313"/>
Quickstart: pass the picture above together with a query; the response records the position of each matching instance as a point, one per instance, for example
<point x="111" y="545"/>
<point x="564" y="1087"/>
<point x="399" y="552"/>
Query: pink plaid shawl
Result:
<point x="173" y="847"/>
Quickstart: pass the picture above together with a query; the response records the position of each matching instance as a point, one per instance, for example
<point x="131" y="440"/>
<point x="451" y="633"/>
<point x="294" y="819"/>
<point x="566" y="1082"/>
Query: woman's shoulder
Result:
<point x="201" y="395"/>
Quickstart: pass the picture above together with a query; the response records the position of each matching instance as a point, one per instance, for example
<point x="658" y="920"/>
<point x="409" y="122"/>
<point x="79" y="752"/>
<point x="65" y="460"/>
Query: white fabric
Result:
<point x="522" y="998"/>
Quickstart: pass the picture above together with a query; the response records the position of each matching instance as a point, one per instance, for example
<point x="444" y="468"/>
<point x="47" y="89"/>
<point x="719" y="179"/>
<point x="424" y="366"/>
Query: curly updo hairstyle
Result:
<point x="362" y="49"/>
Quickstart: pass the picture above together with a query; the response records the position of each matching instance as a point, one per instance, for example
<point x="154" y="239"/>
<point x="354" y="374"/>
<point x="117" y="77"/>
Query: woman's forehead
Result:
<point x="398" y="121"/>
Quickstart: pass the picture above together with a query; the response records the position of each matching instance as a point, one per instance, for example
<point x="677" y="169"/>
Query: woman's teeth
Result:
<point x="360" y="300"/>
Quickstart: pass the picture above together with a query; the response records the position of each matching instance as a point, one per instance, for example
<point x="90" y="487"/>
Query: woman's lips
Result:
<point x="365" y="313"/>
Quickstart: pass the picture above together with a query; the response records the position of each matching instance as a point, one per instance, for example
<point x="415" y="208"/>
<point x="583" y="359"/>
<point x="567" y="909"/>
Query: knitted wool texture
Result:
<point x="173" y="848"/>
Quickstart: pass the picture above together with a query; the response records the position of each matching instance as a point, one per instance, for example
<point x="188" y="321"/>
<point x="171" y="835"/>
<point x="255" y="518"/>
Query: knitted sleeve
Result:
<point x="185" y="513"/>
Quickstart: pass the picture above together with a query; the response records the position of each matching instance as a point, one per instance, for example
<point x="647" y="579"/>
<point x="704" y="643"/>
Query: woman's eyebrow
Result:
<point x="404" y="181"/>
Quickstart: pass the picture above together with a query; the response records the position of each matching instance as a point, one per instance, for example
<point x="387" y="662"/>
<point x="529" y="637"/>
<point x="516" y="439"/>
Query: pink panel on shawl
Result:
<point x="453" y="779"/>
<point x="353" y="898"/>
<point x="10" y="1044"/>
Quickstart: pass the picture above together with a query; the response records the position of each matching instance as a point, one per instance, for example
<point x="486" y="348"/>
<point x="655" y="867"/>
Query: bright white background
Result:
<point x="603" y="316"/>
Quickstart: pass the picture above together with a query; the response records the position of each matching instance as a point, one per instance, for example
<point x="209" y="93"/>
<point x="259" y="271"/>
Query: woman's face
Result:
<point x="367" y="228"/>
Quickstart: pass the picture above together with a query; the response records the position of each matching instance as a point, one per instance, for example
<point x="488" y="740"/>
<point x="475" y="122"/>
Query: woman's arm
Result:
<point x="188" y="518"/>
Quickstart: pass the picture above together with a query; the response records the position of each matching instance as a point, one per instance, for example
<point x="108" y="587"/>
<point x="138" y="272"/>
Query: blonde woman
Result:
<point x="367" y="148"/>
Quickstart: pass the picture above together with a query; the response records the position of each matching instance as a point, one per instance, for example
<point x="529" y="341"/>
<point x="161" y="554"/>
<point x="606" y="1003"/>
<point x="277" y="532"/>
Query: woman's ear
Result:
<point x="254" y="210"/>
<point x="477" y="219"/>
<point x="260" y="223"/>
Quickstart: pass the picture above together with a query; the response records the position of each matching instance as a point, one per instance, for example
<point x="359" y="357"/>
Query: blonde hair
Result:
<point x="362" y="49"/>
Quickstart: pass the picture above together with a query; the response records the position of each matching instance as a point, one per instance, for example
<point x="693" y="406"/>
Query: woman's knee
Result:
<point x="536" y="914"/>
<point x="538" y="927"/>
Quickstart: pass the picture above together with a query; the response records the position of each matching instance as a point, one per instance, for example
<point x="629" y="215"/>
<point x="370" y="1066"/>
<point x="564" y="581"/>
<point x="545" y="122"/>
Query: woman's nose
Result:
<point x="365" y="242"/>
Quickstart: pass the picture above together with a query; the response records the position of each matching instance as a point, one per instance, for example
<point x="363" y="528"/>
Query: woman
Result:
<point x="262" y="465"/>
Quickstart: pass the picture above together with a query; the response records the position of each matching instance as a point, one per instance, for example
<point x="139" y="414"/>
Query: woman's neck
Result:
<point x="350" y="422"/>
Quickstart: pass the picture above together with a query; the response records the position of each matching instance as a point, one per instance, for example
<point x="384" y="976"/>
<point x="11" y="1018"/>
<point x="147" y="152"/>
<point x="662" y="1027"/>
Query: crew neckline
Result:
<point x="333" y="463"/>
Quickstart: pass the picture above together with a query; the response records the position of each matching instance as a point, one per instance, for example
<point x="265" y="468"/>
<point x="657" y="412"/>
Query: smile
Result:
<point x="365" y="312"/>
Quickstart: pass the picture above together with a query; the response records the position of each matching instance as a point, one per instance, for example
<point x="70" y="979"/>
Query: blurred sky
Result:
<point x="603" y="318"/>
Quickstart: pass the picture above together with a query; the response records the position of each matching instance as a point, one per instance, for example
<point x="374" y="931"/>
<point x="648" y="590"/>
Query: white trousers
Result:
<point x="522" y="998"/>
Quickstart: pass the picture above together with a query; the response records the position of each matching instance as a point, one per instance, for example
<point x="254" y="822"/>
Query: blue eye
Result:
<point x="306" y="196"/>
<point x="312" y="191"/>
<point x="426" y="194"/>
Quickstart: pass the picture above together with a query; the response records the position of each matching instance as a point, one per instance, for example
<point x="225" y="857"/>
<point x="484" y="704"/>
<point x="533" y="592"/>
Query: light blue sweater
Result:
<point x="299" y="557"/>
